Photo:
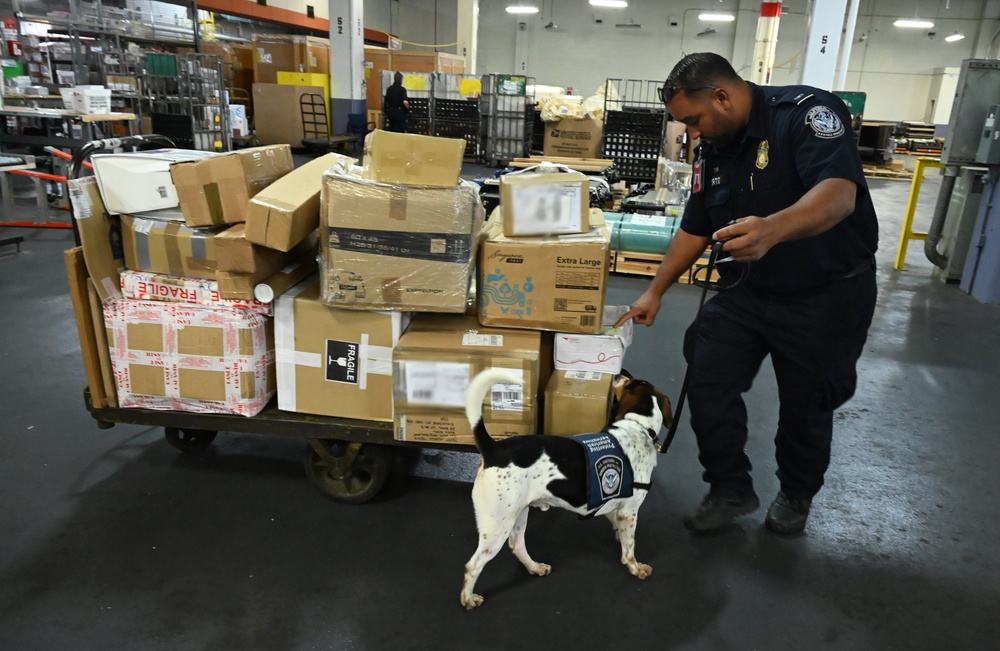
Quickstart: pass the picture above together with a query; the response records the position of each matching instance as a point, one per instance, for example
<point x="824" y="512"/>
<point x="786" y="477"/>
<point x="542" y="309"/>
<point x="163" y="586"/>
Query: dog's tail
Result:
<point x="474" y="395"/>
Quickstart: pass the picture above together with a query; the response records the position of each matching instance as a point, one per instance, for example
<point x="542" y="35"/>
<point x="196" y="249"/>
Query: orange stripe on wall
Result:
<point x="250" y="9"/>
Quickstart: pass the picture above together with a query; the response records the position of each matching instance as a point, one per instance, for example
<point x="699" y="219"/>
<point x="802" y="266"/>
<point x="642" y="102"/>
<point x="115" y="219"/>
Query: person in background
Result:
<point x="396" y="105"/>
<point x="780" y="182"/>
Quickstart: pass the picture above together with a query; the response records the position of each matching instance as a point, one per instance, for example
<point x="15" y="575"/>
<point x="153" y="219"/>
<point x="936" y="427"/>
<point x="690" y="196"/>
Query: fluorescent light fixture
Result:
<point x="614" y="4"/>
<point x="717" y="18"/>
<point x="914" y="22"/>
<point x="954" y="37"/>
<point x="521" y="9"/>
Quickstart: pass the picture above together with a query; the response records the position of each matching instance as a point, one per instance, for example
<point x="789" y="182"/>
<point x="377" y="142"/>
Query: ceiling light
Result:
<point x="914" y="22"/>
<point x="954" y="37"/>
<point x="521" y="9"/>
<point x="614" y="4"/>
<point x="717" y="18"/>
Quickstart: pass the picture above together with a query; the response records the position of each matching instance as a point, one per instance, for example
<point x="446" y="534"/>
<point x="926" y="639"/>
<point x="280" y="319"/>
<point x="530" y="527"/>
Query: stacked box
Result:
<point x="143" y="285"/>
<point x="139" y="181"/>
<point x="545" y="204"/>
<point x="169" y="247"/>
<point x="172" y="356"/>
<point x="397" y="247"/>
<point x="602" y="352"/>
<point x="577" y="402"/>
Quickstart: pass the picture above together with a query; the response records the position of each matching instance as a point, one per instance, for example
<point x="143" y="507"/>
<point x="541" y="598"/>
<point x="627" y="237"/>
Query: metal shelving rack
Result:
<point x="187" y="100"/>
<point x="454" y="114"/>
<point x="508" y="122"/>
<point x="635" y="123"/>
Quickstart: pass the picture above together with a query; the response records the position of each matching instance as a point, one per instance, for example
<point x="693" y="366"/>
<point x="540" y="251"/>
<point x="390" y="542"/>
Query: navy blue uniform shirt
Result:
<point x="796" y="137"/>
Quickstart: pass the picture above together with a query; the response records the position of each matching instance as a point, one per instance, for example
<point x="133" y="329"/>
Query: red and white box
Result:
<point x="603" y="352"/>
<point x="146" y="285"/>
<point x="173" y="356"/>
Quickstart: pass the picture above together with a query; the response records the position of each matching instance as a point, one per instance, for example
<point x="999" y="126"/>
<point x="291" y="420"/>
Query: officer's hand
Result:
<point x="643" y="310"/>
<point x="748" y="239"/>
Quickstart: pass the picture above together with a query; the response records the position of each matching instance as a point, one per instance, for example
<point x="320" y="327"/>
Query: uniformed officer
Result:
<point x="396" y="104"/>
<point x="780" y="181"/>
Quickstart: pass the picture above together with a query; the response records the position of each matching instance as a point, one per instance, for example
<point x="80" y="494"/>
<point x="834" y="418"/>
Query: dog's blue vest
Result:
<point x="609" y="472"/>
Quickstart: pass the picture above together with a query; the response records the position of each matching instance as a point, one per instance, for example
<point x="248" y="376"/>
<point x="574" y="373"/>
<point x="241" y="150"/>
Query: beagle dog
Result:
<point x="544" y="471"/>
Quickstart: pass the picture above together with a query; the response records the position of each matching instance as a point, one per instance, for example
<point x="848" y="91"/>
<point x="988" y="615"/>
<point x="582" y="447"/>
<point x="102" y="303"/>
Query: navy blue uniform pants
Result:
<point x="814" y="339"/>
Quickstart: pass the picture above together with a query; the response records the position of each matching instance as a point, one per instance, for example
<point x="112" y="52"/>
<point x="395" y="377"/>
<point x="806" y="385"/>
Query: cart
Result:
<point x="348" y="460"/>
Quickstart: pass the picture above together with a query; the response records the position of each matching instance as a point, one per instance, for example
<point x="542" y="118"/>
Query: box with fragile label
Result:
<point x="577" y="402"/>
<point x="217" y="190"/>
<point x="544" y="204"/>
<point x="602" y="352"/>
<point x="334" y="362"/>
<point x="169" y="247"/>
<point x="397" y="247"/>
<point x="173" y="356"/>
<point x="138" y="181"/>
<point x="413" y="159"/>
<point x="432" y="366"/>
<point x="553" y="282"/>
<point x="147" y="286"/>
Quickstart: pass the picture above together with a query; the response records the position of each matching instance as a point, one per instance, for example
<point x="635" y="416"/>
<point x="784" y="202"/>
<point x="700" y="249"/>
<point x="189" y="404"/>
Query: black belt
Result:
<point x="861" y="267"/>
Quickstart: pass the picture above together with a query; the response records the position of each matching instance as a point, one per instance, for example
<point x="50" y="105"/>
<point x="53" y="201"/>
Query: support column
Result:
<point x="347" y="62"/>
<point x="468" y="28"/>
<point x="823" y="31"/>
<point x="766" y="42"/>
<point x="845" y="51"/>
<point x="521" y="47"/>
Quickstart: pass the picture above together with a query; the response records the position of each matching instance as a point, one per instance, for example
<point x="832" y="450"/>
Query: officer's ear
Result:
<point x="722" y="97"/>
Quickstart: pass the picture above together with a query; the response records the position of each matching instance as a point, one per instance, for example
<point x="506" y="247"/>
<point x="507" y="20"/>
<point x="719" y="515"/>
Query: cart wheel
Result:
<point x="351" y="473"/>
<point x="189" y="441"/>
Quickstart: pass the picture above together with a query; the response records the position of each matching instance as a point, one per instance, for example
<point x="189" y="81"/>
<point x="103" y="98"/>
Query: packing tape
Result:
<point x="140" y="232"/>
<point x="373" y="359"/>
<point x="397" y="203"/>
<point x="284" y="344"/>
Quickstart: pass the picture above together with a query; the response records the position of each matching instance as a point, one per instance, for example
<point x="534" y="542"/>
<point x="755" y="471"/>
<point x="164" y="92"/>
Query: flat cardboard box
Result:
<point x="334" y="362"/>
<point x="573" y="138"/>
<point x="552" y="282"/>
<point x="395" y="247"/>
<point x="277" y="117"/>
<point x="545" y="204"/>
<point x="101" y="338"/>
<point x="76" y="275"/>
<point x="180" y="357"/>
<point x="577" y="402"/>
<point x="409" y="159"/>
<point x="168" y="247"/>
<point x="100" y="236"/>
<point x="432" y="366"/>
<point x="274" y="53"/>
<point x="139" y="181"/>
<point x="287" y="211"/>
<point x="603" y="352"/>
<point x="216" y="190"/>
<point x="148" y="286"/>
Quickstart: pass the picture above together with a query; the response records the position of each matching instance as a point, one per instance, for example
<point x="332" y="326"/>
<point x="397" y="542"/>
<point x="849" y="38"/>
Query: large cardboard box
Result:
<point x="432" y="366"/>
<point x="412" y="159"/>
<point x="169" y="247"/>
<point x="545" y="204"/>
<point x="216" y="190"/>
<point x="573" y="138"/>
<point x="396" y="247"/>
<point x="334" y="362"/>
<point x="552" y="282"/>
<point x="180" y="357"/>
<point x="277" y="116"/>
<point x="138" y="181"/>
<point x="100" y="236"/>
<point x="237" y="253"/>
<point x="76" y="275"/>
<point x="287" y="211"/>
<point x="147" y="286"/>
<point x="602" y="352"/>
<point x="577" y="402"/>
<point x="274" y="53"/>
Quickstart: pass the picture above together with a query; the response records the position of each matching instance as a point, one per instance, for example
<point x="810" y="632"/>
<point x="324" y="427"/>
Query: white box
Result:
<point x="602" y="353"/>
<point x="139" y="181"/>
<point x="91" y="101"/>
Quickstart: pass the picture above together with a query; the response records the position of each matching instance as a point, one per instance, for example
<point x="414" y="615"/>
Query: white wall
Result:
<point x="413" y="21"/>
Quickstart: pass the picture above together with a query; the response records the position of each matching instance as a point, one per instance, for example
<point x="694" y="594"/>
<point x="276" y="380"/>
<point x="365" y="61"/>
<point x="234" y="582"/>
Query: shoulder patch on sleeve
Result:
<point x="824" y="122"/>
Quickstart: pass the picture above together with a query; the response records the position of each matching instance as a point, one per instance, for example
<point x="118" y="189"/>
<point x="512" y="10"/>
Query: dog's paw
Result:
<point x="472" y="601"/>
<point x="541" y="569"/>
<point x="640" y="570"/>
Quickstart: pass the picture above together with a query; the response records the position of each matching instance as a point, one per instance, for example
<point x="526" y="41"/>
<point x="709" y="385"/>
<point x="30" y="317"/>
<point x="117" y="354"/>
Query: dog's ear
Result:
<point x="626" y="373"/>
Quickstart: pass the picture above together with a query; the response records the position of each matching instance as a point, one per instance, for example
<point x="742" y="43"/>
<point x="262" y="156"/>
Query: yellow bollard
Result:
<point x="911" y="208"/>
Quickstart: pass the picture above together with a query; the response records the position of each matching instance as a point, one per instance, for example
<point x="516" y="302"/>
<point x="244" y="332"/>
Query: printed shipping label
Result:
<point x="583" y="375"/>
<point x="473" y="339"/>
<point x="436" y="383"/>
<point x="508" y="397"/>
<point x="649" y="220"/>
<point x="539" y="208"/>
<point x="78" y="197"/>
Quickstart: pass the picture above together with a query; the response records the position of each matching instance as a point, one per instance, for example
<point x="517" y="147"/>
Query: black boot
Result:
<point x="715" y="512"/>
<point x="787" y="514"/>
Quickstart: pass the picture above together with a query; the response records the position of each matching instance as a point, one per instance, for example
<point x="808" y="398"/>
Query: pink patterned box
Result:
<point x="173" y="356"/>
<point x="146" y="285"/>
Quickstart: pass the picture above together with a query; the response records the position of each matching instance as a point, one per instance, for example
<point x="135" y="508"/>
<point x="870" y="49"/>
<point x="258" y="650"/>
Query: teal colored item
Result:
<point x="645" y="233"/>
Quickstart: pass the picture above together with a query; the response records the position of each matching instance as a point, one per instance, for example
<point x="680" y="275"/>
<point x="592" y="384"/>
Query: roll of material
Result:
<point x="645" y="233"/>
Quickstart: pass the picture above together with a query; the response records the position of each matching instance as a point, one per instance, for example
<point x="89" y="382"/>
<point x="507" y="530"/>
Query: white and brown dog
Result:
<point x="544" y="471"/>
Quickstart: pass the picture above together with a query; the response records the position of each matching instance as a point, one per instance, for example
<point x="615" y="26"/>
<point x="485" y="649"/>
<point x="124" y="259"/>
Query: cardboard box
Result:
<point x="76" y="275"/>
<point x="139" y="181"/>
<point x="577" y="402"/>
<point x="100" y="236"/>
<point x="168" y="247"/>
<point x="410" y="159"/>
<point x="545" y="204"/>
<point x="432" y="366"/>
<point x="552" y="282"/>
<point x="147" y="286"/>
<point x="573" y="138"/>
<point x="243" y="287"/>
<point x="603" y="352"/>
<point x="274" y="53"/>
<point x="216" y="190"/>
<point x="334" y="362"/>
<point x="287" y="211"/>
<point x="101" y="339"/>
<point x="276" y="114"/>
<point x="394" y="247"/>
<point x="180" y="357"/>
<point x="237" y="253"/>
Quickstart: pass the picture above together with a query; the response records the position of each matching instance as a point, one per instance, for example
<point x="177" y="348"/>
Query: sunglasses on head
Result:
<point x="671" y="88"/>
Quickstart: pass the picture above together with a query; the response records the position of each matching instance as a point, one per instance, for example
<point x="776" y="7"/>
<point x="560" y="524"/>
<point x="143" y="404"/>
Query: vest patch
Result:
<point x="609" y="473"/>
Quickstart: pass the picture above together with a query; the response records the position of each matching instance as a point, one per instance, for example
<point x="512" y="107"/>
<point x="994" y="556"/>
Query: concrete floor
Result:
<point x="111" y="539"/>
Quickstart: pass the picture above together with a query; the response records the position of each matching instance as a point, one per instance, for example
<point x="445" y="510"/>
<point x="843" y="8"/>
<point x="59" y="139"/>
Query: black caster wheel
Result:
<point x="351" y="473"/>
<point x="189" y="441"/>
